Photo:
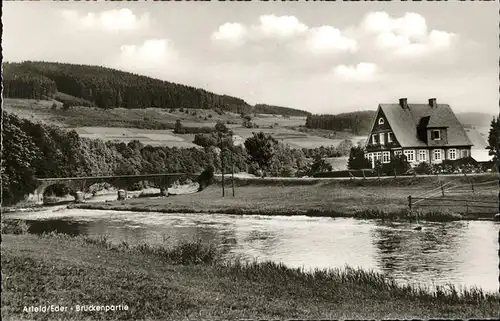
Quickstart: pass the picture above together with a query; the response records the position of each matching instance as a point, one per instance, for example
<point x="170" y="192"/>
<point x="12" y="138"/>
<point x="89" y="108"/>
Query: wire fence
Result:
<point x="473" y="198"/>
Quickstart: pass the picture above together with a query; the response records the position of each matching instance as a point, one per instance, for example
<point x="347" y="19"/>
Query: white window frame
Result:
<point x="386" y="157"/>
<point x="389" y="137"/>
<point x="381" y="138"/>
<point x="435" y="153"/>
<point x="452" y="151"/>
<point x="423" y="153"/>
<point x="381" y="121"/>
<point x="438" y="136"/>
<point x="408" y="153"/>
<point x="373" y="139"/>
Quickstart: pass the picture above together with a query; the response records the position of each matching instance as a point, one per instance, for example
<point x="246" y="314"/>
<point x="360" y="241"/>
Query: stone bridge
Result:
<point x="83" y="184"/>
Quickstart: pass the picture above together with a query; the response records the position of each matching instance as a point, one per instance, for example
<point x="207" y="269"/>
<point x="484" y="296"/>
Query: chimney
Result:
<point x="403" y="102"/>
<point x="432" y="102"/>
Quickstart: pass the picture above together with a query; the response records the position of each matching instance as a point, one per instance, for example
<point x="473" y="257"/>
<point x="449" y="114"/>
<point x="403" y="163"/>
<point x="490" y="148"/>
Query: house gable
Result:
<point x="381" y="126"/>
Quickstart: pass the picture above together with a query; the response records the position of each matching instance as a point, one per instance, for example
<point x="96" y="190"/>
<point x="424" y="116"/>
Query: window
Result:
<point x="377" y="156"/>
<point x="389" y="137"/>
<point x="422" y="155"/>
<point x="410" y="155"/>
<point x="397" y="153"/>
<point x="436" y="134"/>
<point x="381" y="138"/>
<point x="452" y="154"/>
<point x="437" y="154"/>
<point x="374" y="139"/>
<point x="381" y="121"/>
<point x="465" y="153"/>
<point x="386" y="157"/>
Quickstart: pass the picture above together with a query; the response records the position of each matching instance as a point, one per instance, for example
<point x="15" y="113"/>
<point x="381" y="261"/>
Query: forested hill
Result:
<point x="356" y="122"/>
<point x="278" y="110"/>
<point x="109" y="88"/>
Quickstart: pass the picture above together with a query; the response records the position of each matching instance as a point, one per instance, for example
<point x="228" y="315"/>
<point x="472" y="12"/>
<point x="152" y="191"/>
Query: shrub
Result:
<point x="357" y="159"/>
<point x="254" y="168"/>
<point x="398" y="165"/>
<point x="54" y="106"/>
<point x="206" y="177"/>
<point x="14" y="227"/>
<point x="205" y="140"/>
<point x="423" y="168"/>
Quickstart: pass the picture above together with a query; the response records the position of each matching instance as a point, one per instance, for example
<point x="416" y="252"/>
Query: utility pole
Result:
<point x="232" y="171"/>
<point x="222" y="164"/>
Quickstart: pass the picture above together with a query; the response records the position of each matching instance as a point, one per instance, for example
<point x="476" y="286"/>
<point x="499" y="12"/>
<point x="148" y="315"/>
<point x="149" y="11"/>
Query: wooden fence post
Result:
<point x="363" y="171"/>
<point x="442" y="189"/>
<point x="472" y="186"/>
<point x="466" y="207"/>
<point x="409" y="203"/>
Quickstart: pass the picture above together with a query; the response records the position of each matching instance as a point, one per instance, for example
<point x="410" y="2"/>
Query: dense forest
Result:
<point x="356" y="122"/>
<point x="37" y="150"/>
<point x="110" y="88"/>
<point x="278" y="110"/>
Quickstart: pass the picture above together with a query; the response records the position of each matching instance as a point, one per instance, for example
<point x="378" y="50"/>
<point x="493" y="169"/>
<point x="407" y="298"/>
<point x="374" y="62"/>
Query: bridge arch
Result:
<point x="82" y="184"/>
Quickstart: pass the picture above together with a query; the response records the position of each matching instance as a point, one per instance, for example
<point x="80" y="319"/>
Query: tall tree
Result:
<point x="261" y="148"/>
<point x="494" y="139"/>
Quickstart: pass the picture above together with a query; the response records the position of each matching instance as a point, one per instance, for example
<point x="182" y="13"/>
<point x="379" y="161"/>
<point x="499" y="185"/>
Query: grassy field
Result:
<point x="124" y="125"/>
<point x="190" y="282"/>
<point x="387" y="198"/>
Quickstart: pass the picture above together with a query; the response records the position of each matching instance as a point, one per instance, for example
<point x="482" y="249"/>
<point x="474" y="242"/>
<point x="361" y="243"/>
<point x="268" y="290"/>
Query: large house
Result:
<point x="422" y="132"/>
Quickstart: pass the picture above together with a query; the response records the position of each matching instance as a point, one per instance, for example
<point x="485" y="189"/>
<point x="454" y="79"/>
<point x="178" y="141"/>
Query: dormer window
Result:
<point x="436" y="134"/>
<point x="381" y="121"/>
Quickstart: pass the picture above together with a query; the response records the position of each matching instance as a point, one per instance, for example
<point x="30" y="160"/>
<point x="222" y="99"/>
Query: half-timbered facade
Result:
<point x="422" y="132"/>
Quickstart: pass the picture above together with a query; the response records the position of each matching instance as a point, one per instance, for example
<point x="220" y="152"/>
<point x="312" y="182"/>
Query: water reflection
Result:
<point x="461" y="253"/>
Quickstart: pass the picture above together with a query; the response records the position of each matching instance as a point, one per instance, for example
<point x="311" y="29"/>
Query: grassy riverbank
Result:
<point x="190" y="282"/>
<point x="387" y="198"/>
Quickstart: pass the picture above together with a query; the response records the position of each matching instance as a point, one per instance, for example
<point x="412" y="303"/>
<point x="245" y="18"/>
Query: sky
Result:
<point x="323" y="57"/>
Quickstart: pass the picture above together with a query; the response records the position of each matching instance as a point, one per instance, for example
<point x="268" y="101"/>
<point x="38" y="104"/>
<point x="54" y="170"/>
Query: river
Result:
<point x="461" y="253"/>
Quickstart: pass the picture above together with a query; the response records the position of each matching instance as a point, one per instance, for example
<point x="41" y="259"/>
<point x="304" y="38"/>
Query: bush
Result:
<point x="357" y="159"/>
<point x="423" y="168"/>
<point x="14" y="227"/>
<point x="206" y="177"/>
<point x="54" y="106"/>
<point x="205" y="140"/>
<point x="254" y="168"/>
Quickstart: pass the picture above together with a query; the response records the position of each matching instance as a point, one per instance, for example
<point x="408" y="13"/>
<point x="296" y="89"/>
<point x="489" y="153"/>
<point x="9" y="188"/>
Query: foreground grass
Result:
<point x="386" y="199"/>
<point x="189" y="281"/>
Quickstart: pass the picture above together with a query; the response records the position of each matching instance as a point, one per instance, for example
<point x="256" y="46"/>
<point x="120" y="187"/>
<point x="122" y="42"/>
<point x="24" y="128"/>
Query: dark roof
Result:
<point x="404" y="123"/>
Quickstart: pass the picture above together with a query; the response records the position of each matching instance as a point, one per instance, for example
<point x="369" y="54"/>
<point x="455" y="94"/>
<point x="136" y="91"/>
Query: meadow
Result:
<point x="190" y="281"/>
<point x="154" y="126"/>
<point x="371" y="198"/>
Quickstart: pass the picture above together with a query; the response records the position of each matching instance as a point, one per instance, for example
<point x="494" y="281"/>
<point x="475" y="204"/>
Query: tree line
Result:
<point x="356" y="122"/>
<point x="110" y="88"/>
<point x="278" y="110"/>
<point x="37" y="150"/>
